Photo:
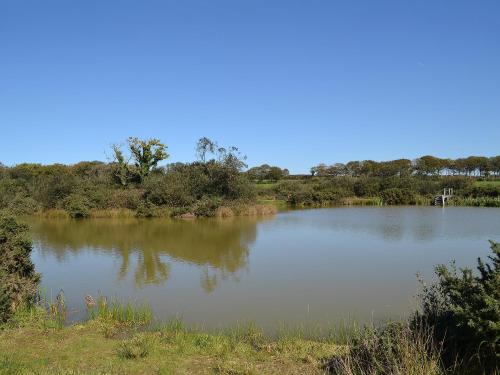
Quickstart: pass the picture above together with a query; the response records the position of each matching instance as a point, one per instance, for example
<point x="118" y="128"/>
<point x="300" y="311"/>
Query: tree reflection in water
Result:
<point x="219" y="247"/>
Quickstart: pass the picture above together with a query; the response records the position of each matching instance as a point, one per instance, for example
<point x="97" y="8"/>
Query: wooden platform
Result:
<point x="440" y="200"/>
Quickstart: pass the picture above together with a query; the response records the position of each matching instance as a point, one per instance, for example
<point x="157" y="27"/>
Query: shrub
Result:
<point x="18" y="279"/>
<point x="207" y="206"/>
<point x="146" y="209"/>
<point x="456" y="182"/>
<point x="483" y="191"/>
<point x="125" y="198"/>
<point x="463" y="309"/>
<point x="395" y="196"/>
<point x="77" y="205"/>
<point x="170" y="190"/>
<point x="22" y="205"/>
<point x="366" y="187"/>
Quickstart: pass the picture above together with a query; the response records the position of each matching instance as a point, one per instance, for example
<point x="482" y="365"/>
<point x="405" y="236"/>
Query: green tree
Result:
<point x="429" y="165"/>
<point x="121" y="170"/>
<point x="146" y="154"/>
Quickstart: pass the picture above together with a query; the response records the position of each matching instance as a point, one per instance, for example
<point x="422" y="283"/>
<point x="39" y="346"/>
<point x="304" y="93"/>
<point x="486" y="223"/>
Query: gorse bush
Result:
<point x="463" y="309"/>
<point x="18" y="279"/>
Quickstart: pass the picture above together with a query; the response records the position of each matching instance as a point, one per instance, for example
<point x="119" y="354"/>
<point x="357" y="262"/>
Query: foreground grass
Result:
<point x="102" y="346"/>
<point x="122" y="338"/>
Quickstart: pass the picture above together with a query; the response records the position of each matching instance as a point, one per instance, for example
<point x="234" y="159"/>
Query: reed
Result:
<point x="118" y="311"/>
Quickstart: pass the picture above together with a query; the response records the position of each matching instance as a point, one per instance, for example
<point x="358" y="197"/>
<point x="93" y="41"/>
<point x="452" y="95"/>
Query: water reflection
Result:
<point x="219" y="247"/>
<point x="299" y="267"/>
<point x="420" y="224"/>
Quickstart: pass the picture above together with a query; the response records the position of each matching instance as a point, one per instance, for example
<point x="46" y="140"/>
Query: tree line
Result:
<point x="424" y="166"/>
<point x="133" y="179"/>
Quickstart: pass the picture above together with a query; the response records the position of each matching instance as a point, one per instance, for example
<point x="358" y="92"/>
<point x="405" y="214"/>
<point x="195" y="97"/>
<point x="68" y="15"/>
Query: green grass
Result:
<point x="493" y="183"/>
<point x="169" y="348"/>
<point x="263" y="186"/>
<point x="118" y="311"/>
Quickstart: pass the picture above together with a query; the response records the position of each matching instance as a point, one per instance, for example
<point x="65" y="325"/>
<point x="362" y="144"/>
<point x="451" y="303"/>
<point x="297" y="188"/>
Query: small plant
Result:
<point x="57" y="310"/>
<point x="137" y="347"/>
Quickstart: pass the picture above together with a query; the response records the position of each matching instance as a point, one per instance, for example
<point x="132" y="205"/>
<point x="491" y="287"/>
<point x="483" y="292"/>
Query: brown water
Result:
<point x="310" y="267"/>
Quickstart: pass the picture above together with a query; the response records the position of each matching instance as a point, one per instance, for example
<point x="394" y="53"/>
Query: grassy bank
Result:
<point x="105" y="345"/>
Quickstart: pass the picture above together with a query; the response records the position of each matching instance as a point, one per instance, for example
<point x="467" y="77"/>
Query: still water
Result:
<point x="298" y="268"/>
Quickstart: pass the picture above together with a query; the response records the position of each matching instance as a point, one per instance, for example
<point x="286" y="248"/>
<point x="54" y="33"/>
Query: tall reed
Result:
<point x="118" y="311"/>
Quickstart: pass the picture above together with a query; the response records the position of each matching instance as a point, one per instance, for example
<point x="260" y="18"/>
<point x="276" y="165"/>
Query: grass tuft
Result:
<point x="138" y="346"/>
<point x="117" y="311"/>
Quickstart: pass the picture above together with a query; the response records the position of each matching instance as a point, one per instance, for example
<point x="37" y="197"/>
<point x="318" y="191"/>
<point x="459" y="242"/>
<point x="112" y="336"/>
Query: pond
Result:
<point x="298" y="268"/>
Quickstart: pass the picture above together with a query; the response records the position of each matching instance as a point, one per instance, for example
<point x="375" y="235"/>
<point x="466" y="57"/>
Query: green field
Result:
<point x="492" y="183"/>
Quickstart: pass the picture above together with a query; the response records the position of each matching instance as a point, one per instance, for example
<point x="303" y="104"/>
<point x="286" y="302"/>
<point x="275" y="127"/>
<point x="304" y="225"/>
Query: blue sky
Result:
<point x="292" y="83"/>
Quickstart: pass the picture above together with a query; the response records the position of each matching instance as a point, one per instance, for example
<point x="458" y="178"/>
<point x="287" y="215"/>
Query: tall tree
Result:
<point x="205" y="146"/>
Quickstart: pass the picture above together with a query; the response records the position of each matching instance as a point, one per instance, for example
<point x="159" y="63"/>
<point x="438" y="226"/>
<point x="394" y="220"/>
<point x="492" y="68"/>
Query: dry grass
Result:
<point x="358" y="201"/>
<point x="112" y="213"/>
<point x="393" y="350"/>
<point x="54" y="213"/>
<point x="246" y="210"/>
<point x="224" y="212"/>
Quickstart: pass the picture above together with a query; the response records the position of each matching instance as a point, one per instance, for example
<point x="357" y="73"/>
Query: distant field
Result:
<point x="487" y="183"/>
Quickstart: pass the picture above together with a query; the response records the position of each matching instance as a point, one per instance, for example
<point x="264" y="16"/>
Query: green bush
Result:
<point x="125" y="198"/>
<point x="483" y="191"/>
<point x="207" y="206"/>
<point x="366" y="187"/>
<point x="463" y="310"/>
<point x="396" y="196"/>
<point x="146" y="209"/>
<point x="457" y="183"/>
<point x="18" y="279"/>
<point x="77" y="205"/>
<point x="22" y="205"/>
<point x="169" y="190"/>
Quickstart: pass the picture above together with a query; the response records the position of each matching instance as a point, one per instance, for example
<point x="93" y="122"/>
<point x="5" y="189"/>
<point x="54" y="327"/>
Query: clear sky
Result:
<point x="292" y="83"/>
